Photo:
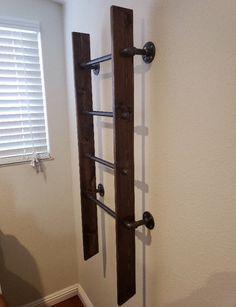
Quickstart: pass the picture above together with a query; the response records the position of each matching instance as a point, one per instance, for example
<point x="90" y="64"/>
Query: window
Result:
<point x="23" y="120"/>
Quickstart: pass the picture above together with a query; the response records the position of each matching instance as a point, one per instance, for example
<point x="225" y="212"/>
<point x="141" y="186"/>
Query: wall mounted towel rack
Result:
<point x="123" y="166"/>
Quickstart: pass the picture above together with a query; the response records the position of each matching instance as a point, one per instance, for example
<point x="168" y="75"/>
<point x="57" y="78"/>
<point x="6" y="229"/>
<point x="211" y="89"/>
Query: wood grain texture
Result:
<point x="83" y="87"/>
<point x="72" y="302"/>
<point x="123" y="109"/>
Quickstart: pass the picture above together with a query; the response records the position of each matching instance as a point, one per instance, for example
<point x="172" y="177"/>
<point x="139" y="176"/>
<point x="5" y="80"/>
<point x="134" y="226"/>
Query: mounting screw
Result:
<point x="124" y="171"/>
<point x="100" y="190"/>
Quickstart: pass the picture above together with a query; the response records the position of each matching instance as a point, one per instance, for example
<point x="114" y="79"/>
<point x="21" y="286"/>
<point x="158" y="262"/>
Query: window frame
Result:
<point x="31" y="26"/>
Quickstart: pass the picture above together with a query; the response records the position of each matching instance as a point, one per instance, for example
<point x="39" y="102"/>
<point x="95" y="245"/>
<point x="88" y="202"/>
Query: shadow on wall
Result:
<point x="219" y="291"/>
<point x="17" y="290"/>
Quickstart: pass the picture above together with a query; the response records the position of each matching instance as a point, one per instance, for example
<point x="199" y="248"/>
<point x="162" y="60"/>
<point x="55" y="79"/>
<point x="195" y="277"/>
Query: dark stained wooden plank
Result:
<point x="123" y="110"/>
<point x="83" y="88"/>
<point x="72" y="302"/>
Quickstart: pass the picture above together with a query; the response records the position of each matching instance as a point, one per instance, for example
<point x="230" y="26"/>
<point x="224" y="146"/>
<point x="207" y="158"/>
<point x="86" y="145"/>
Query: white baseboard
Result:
<point x="55" y="298"/>
<point x="84" y="297"/>
<point x="61" y="296"/>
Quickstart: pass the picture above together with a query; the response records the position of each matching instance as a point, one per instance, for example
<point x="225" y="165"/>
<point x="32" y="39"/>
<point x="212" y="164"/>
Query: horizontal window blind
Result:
<point x="23" y="120"/>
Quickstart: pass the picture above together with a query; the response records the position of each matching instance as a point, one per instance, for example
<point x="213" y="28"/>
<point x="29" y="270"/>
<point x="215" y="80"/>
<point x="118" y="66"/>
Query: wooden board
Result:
<point x="83" y="87"/>
<point x="123" y="108"/>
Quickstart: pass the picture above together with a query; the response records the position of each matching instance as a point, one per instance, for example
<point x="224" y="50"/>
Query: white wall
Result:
<point x="185" y="152"/>
<point x="37" y="235"/>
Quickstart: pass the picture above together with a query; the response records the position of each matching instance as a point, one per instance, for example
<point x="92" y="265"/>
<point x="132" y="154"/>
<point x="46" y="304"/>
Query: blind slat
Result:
<point x="21" y="124"/>
<point x="11" y="143"/>
<point x="18" y="109"/>
<point x="20" y="79"/>
<point x="23" y="119"/>
<point x="20" y="66"/>
<point x="8" y="129"/>
<point x="18" y="72"/>
<point x="22" y="132"/>
<point x="8" y="60"/>
<point x="14" y="137"/>
<point x="19" y="43"/>
<point x="21" y="96"/>
<point x="18" y="51"/>
<point x="15" y="88"/>
<point x="11" y="34"/>
<point x="22" y="143"/>
<point x="14" y="104"/>
<point x="21" y="115"/>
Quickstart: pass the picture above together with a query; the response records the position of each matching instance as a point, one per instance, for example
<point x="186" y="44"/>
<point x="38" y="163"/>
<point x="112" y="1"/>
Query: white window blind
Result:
<point x="23" y="122"/>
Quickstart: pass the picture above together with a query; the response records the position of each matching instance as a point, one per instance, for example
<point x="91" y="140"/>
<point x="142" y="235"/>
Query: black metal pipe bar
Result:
<point x="101" y="161"/>
<point x="92" y="63"/>
<point x="148" y="52"/>
<point x="133" y="51"/>
<point x="103" y="206"/>
<point x="139" y="51"/>
<point x="134" y="224"/>
<point x="147" y="220"/>
<point x="99" y="113"/>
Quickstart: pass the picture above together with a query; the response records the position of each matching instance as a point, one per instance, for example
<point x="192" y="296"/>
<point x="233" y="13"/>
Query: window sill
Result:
<point x="26" y="162"/>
